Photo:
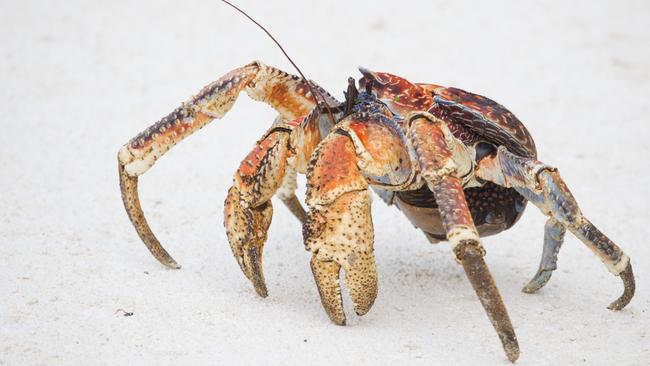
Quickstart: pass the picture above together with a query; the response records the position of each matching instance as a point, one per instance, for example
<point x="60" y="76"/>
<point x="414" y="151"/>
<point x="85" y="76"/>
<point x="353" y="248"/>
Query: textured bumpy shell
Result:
<point x="486" y="118"/>
<point x="471" y="117"/>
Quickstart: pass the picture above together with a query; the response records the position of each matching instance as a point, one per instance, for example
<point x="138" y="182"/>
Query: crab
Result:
<point x="458" y="165"/>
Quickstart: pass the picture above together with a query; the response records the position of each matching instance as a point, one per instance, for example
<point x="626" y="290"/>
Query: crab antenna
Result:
<point x="313" y="94"/>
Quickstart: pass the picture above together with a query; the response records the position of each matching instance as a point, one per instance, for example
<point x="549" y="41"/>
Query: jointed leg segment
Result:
<point x="288" y="94"/>
<point x="287" y="194"/>
<point x="553" y="237"/>
<point x="129" y="188"/>
<point x="438" y="156"/>
<point x="543" y="186"/>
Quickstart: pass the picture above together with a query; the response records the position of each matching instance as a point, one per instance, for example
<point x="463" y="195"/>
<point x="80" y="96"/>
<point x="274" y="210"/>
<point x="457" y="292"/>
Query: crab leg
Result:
<point x="129" y="188"/>
<point x="286" y="193"/>
<point x="339" y="230"/>
<point x="286" y="93"/>
<point x="542" y="185"/>
<point x="438" y="154"/>
<point x="553" y="237"/>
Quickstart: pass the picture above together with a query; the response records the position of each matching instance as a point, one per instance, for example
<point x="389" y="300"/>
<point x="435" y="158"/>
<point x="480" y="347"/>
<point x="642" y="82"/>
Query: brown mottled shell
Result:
<point x="484" y="117"/>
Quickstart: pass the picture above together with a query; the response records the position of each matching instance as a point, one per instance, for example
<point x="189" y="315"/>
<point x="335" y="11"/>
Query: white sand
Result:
<point x="80" y="78"/>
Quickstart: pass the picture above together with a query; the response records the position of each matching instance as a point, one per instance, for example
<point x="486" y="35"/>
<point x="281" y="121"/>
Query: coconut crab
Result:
<point x="460" y="166"/>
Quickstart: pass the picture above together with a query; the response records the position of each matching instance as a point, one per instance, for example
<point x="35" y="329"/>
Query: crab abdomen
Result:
<point x="493" y="208"/>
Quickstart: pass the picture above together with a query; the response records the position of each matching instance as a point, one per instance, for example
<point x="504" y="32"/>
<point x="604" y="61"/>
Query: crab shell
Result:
<point x="481" y="124"/>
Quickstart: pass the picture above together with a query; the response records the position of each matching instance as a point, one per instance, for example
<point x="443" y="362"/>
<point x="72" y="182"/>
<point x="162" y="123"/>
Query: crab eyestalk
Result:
<point x="129" y="188"/>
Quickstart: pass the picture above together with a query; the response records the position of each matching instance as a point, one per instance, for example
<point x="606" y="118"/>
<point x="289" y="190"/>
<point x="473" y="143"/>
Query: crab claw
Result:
<point x="360" y="281"/>
<point x="326" y="275"/>
<point x="251" y="264"/>
<point x="479" y="275"/>
<point x="246" y="229"/>
<point x="340" y="236"/>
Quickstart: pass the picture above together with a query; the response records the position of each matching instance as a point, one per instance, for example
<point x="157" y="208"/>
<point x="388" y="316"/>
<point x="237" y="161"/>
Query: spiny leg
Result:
<point x="553" y="237"/>
<point x="338" y="230"/>
<point x="439" y="157"/>
<point x="286" y="93"/>
<point x="543" y="186"/>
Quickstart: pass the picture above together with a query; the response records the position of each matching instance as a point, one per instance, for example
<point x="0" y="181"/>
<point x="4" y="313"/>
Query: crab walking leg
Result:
<point x="542" y="185"/>
<point x="293" y="204"/>
<point x="339" y="230"/>
<point x="129" y="188"/>
<point x="553" y="237"/>
<point x="440" y="157"/>
<point x="286" y="93"/>
<point x="287" y="194"/>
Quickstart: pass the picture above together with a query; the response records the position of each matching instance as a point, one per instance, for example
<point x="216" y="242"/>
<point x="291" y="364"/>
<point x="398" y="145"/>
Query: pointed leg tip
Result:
<point x="615" y="306"/>
<point x="511" y="347"/>
<point x="260" y="286"/>
<point x="509" y="343"/>
<point x="619" y="304"/>
<point x="513" y="354"/>
<point x="627" y="276"/>
<point x="262" y="292"/>
<point x="541" y="278"/>
<point x="530" y="289"/>
<point x="169" y="262"/>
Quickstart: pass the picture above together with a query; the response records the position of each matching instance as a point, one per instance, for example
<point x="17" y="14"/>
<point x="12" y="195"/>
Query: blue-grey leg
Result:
<point x="553" y="237"/>
<point x="543" y="186"/>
